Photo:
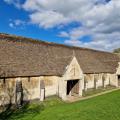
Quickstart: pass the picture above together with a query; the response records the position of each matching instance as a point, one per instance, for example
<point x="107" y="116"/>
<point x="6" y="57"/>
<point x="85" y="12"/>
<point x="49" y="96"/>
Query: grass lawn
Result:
<point x="104" y="107"/>
<point x="93" y="91"/>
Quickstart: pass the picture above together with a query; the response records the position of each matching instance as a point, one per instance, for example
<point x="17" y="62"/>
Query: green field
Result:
<point x="104" y="107"/>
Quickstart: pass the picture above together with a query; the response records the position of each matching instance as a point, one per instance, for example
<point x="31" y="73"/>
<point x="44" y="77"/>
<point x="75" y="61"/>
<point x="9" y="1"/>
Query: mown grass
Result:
<point x="93" y="91"/>
<point x="104" y="107"/>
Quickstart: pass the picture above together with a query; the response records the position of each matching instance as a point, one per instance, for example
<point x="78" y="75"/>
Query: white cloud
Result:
<point x="8" y="1"/>
<point x="11" y="25"/>
<point x="16" y="3"/>
<point x="19" y="22"/>
<point x="16" y="23"/>
<point x="99" y="19"/>
<point x="63" y="34"/>
<point x="73" y="42"/>
<point x="47" y="19"/>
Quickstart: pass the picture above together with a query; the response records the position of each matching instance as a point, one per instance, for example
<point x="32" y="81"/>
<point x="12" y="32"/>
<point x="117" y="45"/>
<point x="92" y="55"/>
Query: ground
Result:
<point x="93" y="91"/>
<point x="104" y="107"/>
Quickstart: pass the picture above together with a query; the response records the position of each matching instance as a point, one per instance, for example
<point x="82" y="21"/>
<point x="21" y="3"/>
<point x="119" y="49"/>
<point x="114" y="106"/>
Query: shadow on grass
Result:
<point x="6" y="113"/>
<point x="24" y="111"/>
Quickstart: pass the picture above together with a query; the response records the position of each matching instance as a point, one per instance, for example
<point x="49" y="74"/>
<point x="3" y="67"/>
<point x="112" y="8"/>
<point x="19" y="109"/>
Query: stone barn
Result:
<point x="32" y="69"/>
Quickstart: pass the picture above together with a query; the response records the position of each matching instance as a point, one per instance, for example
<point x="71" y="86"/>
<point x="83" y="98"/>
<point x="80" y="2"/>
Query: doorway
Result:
<point x="118" y="80"/>
<point x="73" y="87"/>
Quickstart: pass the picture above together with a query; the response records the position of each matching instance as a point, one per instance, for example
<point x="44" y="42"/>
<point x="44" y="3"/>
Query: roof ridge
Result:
<point x="38" y="41"/>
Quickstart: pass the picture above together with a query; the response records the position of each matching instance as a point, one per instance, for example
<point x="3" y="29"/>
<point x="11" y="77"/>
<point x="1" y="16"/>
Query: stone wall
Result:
<point x="73" y="72"/>
<point x="89" y="81"/>
<point x="7" y="91"/>
<point x="31" y="88"/>
<point x="114" y="80"/>
<point x="118" y="69"/>
<point x="54" y="85"/>
<point x="92" y="79"/>
<point x="51" y="85"/>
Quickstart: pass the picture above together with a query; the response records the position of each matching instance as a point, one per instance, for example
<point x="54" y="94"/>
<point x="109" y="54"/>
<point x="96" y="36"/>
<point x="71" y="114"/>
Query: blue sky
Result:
<point x="84" y="23"/>
<point x="10" y="13"/>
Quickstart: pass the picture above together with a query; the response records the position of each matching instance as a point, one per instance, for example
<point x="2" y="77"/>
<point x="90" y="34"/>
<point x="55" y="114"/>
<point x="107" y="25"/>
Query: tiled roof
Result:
<point x="21" y="56"/>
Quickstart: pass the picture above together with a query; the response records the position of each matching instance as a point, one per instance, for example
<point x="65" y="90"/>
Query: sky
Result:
<point x="85" y="23"/>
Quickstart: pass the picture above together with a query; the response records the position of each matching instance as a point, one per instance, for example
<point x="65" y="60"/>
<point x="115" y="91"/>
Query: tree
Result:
<point x="117" y="50"/>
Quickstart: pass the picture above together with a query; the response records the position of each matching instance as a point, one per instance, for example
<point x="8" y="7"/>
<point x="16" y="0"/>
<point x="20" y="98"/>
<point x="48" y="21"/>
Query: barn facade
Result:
<point x="36" y="69"/>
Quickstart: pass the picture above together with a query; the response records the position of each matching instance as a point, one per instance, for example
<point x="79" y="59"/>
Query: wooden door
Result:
<point x="75" y="87"/>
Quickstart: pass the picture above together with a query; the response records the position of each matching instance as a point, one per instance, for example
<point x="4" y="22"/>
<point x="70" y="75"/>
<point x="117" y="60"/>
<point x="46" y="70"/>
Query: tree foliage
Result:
<point x="117" y="50"/>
